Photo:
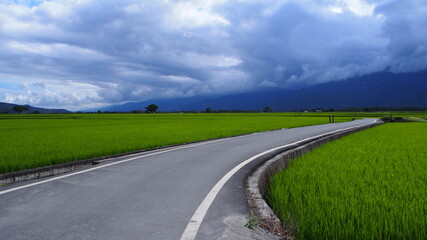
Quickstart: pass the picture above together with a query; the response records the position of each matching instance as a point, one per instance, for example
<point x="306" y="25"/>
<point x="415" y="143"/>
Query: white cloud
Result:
<point x="359" y="7"/>
<point x="197" y="60"/>
<point x="53" y="95"/>
<point x="58" y="50"/>
<point x="190" y="14"/>
<point x="89" y="53"/>
<point x="335" y="9"/>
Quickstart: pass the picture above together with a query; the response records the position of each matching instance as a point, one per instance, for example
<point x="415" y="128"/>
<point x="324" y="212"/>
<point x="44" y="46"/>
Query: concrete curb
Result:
<point x="258" y="182"/>
<point x="41" y="172"/>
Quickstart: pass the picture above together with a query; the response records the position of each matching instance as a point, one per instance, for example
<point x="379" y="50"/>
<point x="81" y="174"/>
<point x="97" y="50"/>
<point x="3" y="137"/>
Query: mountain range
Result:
<point x="376" y="90"/>
<point x="8" y="108"/>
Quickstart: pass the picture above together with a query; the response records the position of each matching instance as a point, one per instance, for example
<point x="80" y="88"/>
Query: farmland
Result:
<point x="369" y="185"/>
<point x="35" y="140"/>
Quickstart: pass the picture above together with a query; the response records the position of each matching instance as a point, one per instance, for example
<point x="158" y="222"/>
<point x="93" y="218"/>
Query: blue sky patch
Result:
<point x="30" y="3"/>
<point x="10" y="86"/>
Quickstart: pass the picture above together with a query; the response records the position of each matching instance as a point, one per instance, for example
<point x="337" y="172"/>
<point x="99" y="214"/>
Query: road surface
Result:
<point x="151" y="195"/>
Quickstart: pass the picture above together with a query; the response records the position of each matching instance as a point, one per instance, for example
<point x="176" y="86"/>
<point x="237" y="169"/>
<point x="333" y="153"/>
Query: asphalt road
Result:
<point x="152" y="195"/>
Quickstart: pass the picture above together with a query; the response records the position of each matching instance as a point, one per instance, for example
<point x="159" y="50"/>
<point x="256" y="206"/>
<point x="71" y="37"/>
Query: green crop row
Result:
<point x="421" y="114"/>
<point x="35" y="140"/>
<point x="369" y="185"/>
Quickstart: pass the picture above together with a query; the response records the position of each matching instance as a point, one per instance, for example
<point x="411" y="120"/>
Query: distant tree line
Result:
<point x="368" y="109"/>
<point x="209" y="110"/>
<point x="382" y="109"/>
<point x="232" y="111"/>
<point x="153" y="108"/>
<point x="19" y="108"/>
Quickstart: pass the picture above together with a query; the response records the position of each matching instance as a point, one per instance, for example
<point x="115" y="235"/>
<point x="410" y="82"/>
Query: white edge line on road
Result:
<point x="111" y="164"/>
<point x="192" y="228"/>
<point x="138" y="156"/>
<point x="118" y="162"/>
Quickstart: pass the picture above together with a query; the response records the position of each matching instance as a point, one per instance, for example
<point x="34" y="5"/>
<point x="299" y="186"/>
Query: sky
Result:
<point x="79" y="54"/>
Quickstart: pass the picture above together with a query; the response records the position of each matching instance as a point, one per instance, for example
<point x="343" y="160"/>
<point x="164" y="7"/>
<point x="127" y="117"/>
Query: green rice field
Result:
<point x="369" y="185"/>
<point x="35" y="140"/>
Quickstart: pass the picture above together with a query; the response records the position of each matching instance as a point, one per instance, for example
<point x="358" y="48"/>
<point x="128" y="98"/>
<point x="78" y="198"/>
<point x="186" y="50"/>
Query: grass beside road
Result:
<point x="369" y="185"/>
<point x="36" y="140"/>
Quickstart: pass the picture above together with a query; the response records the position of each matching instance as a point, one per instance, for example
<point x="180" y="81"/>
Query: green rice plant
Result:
<point x="252" y="221"/>
<point x="369" y="185"/>
<point x="36" y="140"/>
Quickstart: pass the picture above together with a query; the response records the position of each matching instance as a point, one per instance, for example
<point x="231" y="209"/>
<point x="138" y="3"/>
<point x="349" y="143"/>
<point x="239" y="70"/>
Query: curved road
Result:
<point x="151" y="195"/>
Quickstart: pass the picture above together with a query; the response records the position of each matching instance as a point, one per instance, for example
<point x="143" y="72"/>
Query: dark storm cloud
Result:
<point x="88" y="53"/>
<point x="404" y="26"/>
<point x="296" y="45"/>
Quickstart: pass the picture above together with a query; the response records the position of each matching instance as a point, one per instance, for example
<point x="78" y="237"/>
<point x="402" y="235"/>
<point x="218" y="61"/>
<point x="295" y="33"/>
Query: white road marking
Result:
<point x="192" y="228"/>
<point x="110" y="164"/>
<point x="156" y="152"/>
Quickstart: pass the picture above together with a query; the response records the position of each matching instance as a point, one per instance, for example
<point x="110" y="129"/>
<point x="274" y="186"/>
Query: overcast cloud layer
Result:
<point x="88" y="53"/>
